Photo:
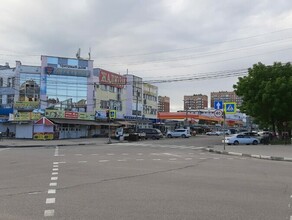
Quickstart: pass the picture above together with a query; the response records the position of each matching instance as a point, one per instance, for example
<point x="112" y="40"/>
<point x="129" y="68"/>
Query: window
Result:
<point x="10" y="99"/>
<point x="0" y="99"/>
<point x="112" y="89"/>
<point x="9" y="80"/>
<point x="1" y="82"/>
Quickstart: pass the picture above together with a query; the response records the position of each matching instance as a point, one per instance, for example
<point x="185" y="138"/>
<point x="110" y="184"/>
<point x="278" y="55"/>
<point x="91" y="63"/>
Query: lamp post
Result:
<point x="137" y="98"/>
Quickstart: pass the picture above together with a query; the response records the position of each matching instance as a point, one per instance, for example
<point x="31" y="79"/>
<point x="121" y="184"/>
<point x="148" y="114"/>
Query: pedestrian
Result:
<point x="7" y="132"/>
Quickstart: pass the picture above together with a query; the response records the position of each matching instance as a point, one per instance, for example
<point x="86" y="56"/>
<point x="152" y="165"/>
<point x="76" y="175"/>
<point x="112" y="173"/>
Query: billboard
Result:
<point x="112" y="79"/>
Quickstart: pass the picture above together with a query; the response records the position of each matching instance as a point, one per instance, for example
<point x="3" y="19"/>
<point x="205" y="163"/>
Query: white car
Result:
<point x="184" y="133"/>
<point x="210" y="133"/>
<point x="240" y="139"/>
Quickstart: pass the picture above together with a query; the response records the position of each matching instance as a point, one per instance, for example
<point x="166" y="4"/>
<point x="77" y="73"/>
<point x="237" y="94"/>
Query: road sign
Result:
<point x="230" y="107"/>
<point x="218" y="113"/>
<point x="218" y="105"/>
<point x="112" y="114"/>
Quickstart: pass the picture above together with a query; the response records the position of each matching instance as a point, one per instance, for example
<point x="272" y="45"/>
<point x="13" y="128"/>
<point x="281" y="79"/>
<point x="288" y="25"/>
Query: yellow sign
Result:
<point x="26" y="116"/>
<point x="26" y="105"/>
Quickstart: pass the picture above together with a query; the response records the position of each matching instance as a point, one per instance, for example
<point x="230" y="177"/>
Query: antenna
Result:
<point x="89" y="53"/>
<point x="78" y="53"/>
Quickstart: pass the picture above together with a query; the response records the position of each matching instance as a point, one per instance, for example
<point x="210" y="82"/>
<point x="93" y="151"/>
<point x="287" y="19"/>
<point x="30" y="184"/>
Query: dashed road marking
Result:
<point x="50" y="200"/>
<point x="188" y="158"/>
<point x="51" y="191"/>
<point x="54" y="178"/>
<point x="78" y="154"/>
<point x="49" y="212"/>
<point x="110" y="154"/>
<point x="55" y="169"/>
<point x="94" y="154"/>
<point x="122" y="160"/>
<point x="53" y="184"/>
<point x="103" y="161"/>
<point x="82" y="161"/>
<point x="55" y="173"/>
<point x="172" y="159"/>
<point x="139" y="159"/>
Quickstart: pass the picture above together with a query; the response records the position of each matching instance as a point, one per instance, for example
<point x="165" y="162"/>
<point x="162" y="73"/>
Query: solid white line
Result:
<point x="53" y="184"/>
<point x="54" y="178"/>
<point x="54" y="173"/>
<point x="51" y="191"/>
<point x="49" y="212"/>
<point x="50" y="200"/>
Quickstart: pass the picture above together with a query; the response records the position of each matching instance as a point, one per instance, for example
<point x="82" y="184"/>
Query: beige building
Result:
<point x="196" y="101"/>
<point x="225" y="96"/>
<point x="110" y="93"/>
<point x="150" y="101"/>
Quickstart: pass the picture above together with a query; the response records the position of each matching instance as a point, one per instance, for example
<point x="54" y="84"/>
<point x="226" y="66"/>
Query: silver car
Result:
<point x="184" y="133"/>
<point x="240" y="139"/>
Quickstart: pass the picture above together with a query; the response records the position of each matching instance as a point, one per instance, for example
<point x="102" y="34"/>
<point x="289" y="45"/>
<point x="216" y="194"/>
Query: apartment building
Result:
<point x="196" y="101"/>
<point x="225" y="96"/>
<point x="163" y="104"/>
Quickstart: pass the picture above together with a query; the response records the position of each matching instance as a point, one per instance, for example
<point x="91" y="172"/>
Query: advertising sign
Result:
<point x="26" y="105"/>
<point x="68" y="115"/>
<point x="112" y="79"/>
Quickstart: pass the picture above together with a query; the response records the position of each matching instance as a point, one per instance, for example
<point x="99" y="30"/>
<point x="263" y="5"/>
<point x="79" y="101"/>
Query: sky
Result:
<point x="184" y="47"/>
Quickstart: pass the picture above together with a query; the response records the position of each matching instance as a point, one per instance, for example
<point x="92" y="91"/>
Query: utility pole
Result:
<point x="137" y="98"/>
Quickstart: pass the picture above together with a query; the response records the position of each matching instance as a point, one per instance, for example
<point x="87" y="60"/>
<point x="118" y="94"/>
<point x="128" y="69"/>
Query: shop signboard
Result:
<point x="112" y="79"/>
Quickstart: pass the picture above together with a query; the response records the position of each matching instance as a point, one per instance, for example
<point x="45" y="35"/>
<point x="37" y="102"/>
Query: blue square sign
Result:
<point x="230" y="108"/>
<point x="218" y="105"/>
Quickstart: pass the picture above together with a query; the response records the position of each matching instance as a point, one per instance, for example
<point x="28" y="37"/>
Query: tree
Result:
<point x="267" y="94"/>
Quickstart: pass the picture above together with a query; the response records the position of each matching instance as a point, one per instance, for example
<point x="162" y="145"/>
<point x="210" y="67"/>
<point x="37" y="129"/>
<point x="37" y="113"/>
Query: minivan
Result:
<point x="152" y="133"/>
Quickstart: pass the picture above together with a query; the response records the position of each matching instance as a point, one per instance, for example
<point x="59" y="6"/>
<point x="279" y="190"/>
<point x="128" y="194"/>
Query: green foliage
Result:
<point x="267" y="94"/>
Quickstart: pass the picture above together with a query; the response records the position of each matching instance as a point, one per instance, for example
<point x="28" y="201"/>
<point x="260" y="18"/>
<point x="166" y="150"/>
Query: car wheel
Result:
<point x="236" y="143"/>
<point x="183" y="136"/>
<point x="255" y="142"/>
<point x="169" y="136"/>
<point x="153" y="138"/>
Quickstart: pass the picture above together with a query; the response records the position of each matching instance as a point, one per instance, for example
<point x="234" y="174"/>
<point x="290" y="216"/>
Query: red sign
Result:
<point x="112" y="79"/>
<point x="71" y="115"/>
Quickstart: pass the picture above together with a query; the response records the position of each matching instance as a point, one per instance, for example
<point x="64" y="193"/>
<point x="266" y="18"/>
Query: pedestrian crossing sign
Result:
<point x="230" y="107"/>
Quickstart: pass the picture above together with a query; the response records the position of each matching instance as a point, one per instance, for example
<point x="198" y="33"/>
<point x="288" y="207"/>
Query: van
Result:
<point x="152" y="133"/>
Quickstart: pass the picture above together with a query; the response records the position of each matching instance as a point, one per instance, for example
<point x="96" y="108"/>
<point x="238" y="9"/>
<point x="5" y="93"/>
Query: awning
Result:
<point x="81" y="122"/>
<point x="77" y="122"/>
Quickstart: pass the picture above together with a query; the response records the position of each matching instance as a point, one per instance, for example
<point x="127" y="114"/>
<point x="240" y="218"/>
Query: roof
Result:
<point x="44" y="121"/>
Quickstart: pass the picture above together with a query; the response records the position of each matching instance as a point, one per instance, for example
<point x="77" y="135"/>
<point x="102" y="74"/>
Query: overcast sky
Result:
<point x="153" y="39"/>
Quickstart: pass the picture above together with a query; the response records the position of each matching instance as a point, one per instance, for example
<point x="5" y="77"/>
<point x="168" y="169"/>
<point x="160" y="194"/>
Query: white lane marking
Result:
<point x="216" y="158"/>
<point x="4" y="149"/>
<point x="173" y="155"/>
<point x="50" y="200"/>
<point x="51" y="191"/>
<point x="155" y="154"/>
<point x="53" y="184"/>
<point x="156" y="159"/>
<point x="78" y="154"/>
<point x="188" y="158"/>
<point x="55" y="163"/>
<point x="55" y="166"/>
<point x="54" y="178"/>
<point x="110" y="154"/>
<point x="122" y="160"/>
<point x="94" y="154"/>
<point x="49" y="212"/>
<point x="56" y="152"/>
<point x="62" y="162"/>
<point x="291" y="217"/>
<point x="291" y="196"/>
<point x="33" y="193"/>
<point x="82" y="161"/>
<point x="202" y="158"/>
<point x="54" y="173"/>
<point x="172" y="159"/>
<point x="61" y="155"/>
<point x="102" y="161"/>
<point x="55" y="169"/>
<point x="139" y="159"/>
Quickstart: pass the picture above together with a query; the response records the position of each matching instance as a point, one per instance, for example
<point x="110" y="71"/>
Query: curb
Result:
<point x="263" y="157"/>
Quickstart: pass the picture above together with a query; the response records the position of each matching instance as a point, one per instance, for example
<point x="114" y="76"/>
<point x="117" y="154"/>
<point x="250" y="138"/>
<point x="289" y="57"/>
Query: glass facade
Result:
<point x="69" y="92"/>
<point x="29" y="87"/>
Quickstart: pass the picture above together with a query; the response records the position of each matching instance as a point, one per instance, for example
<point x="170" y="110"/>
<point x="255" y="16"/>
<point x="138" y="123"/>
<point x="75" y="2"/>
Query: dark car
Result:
<point x="152" y="133"/>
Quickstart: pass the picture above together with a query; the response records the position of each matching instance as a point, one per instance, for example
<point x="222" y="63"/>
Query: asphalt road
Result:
<point x="165" y="179"/>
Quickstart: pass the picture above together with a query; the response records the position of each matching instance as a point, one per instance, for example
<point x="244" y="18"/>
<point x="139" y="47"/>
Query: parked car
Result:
<point x="184" y="133"/>
<point x="211" y="133"/>
<point x="152" y="133"/>
<point x="241" y="139"/>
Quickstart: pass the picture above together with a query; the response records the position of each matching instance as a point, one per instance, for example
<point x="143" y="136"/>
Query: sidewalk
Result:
<point x="268" y="152"/>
